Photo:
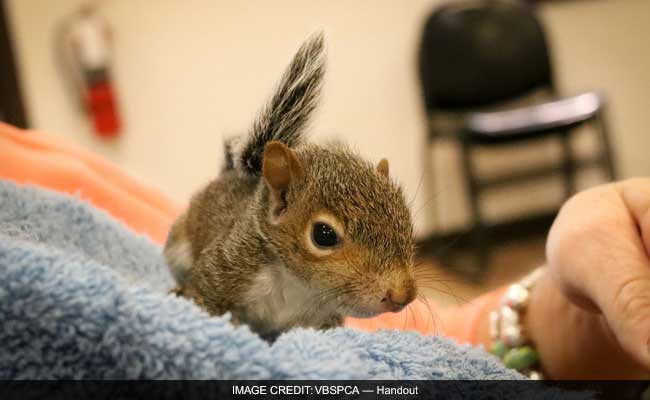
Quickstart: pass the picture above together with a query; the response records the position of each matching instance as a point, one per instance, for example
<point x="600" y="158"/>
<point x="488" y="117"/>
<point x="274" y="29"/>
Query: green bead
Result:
<point x="520" y="358"/>
<point x="498" y="349"/>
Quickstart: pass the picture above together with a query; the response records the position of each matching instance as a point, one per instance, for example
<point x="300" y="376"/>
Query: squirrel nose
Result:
<point x="398" y="298"/>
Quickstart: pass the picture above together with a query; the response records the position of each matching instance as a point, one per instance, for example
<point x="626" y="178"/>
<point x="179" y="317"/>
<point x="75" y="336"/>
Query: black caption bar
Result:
<point x="516" y="390"/>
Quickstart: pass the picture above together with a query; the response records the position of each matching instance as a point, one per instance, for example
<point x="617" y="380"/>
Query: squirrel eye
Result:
<point x="324" y="235"/>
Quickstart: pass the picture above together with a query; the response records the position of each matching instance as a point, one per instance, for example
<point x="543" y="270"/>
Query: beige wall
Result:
<point x="190" y="72"/>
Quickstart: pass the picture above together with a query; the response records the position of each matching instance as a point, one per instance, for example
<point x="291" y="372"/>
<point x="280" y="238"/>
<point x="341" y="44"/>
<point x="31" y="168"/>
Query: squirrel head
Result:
<point x="340" y="223"/>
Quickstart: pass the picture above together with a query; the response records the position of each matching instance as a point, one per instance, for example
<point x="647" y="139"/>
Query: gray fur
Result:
<point x="287" y="114"/>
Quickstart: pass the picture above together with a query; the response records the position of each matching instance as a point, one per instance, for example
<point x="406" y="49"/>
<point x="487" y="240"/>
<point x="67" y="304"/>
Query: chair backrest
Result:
<point x="480" y="52"/>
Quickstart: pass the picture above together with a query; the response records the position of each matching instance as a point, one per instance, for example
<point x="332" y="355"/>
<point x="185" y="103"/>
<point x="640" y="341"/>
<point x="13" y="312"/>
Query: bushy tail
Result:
<point x="288" y="113"/>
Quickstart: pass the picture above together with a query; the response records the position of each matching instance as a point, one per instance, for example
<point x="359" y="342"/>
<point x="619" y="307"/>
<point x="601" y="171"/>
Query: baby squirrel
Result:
<point x="291" y="233"/>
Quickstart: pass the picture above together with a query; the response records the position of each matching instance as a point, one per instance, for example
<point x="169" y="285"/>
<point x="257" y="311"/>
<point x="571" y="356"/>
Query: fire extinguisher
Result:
<point x="84" y="48"/>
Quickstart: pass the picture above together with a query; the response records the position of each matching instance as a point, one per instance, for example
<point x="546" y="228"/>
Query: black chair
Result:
<point x="481" y="54"/>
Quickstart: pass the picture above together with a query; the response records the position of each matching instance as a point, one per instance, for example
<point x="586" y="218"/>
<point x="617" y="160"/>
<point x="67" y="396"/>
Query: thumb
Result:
<point x="598" y="254"/>
<point x="627" y="305"/>
<point x="636" y="194"/>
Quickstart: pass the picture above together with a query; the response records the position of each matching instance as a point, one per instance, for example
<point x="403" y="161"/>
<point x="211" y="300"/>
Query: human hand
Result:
<point x="589" y="316"/>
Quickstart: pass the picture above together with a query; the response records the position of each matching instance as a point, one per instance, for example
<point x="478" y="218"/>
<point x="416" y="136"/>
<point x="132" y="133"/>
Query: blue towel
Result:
<point x="83" y="297"/>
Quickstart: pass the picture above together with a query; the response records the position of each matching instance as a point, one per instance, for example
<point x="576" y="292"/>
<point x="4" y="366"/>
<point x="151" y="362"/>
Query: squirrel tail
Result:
<point x="287" y="114"/>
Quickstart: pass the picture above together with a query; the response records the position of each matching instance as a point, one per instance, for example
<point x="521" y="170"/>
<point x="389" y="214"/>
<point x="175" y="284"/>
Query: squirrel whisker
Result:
<point x="417" y="190"/>
<point x="423" y="298"/>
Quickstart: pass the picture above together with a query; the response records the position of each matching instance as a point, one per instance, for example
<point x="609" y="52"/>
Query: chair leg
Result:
<point x="568" y="165"/>
<point x="478" y="237"/>
<point x="601" y="120"/>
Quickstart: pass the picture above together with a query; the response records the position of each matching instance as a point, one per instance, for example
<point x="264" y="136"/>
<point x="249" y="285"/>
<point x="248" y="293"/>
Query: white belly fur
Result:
<point x="278" y="299"/>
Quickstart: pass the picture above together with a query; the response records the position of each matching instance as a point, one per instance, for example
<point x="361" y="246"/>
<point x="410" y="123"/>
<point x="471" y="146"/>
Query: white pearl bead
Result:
<point x="516" y="297"/>
<point x="512" y="336"/>
<point x="494" y="325"/>
<point x="509" y="316"/>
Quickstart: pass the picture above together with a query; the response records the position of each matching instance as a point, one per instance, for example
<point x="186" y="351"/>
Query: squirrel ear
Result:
<point x="280" y="166"/>
<point x="382" y="167"/>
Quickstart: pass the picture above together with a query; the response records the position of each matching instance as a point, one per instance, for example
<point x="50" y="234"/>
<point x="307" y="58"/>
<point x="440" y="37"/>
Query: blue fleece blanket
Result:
<point x="81" y="296"/>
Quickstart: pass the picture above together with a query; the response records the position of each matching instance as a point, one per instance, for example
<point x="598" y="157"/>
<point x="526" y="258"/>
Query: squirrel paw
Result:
<point x="178" y="291"/>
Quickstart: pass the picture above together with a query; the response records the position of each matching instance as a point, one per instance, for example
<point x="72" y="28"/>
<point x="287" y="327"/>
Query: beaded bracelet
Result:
<point x="510" y="342"/>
